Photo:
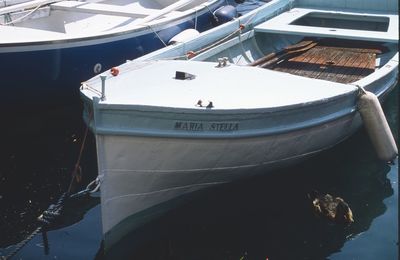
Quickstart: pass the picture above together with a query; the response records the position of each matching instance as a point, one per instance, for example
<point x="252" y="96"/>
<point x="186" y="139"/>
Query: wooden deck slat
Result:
<point x="346" y="74"/>
<point x="354" y="71"/>
<point x="314" y="70"/>
<point x="339" y="62"/>
<point x="341" y="68"/>
<point x="325" y="67"/>
<point x="307" y="69"/>
<point x="367" y="63"/>
<point x="336" y="61"/>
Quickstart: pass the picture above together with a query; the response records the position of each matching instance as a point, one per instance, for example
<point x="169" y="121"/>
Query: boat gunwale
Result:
<point x="385" y="70"/>
<point x="247" y="133"/>
<point x="215" y="111"/>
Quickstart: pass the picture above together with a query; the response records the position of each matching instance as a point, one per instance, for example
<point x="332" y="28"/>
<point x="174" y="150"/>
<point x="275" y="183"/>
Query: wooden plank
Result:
<point x="286" y="52"/>
<point x="364" y="67"/>
<point x="332" y="61"/>
<point x="339" y="68"/>
<point x="304" y="62"/>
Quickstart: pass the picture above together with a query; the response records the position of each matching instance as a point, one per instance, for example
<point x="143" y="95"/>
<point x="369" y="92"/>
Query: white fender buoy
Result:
<point x="183" y="36"/>
<point x="376" y="126"/>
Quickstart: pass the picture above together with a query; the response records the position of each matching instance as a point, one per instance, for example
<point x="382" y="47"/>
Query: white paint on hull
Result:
<point x="141" y="172"/>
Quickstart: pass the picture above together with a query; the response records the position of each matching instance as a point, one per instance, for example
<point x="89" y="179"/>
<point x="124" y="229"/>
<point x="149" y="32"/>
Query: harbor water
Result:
<point x="266" y="217"/>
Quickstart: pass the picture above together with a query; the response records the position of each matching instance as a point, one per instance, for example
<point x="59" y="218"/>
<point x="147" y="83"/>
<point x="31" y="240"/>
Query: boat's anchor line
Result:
<point x="54" y="211"/>
<point x="92" y="187"/>
<point x="47" y="218"/>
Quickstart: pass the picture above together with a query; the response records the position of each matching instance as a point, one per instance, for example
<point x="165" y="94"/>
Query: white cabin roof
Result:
<point x="153" y="83"/>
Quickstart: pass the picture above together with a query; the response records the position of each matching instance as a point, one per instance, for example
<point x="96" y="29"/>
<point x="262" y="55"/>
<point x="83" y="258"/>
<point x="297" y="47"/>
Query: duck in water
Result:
<point x="334" y="209"/>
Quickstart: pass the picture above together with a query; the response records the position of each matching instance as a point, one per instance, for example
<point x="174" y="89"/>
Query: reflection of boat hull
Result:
<point x="52" y="70"/>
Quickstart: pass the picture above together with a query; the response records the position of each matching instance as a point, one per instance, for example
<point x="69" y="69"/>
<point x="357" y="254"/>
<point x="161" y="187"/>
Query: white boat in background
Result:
<point x="48" y="47"/>
<point x="11" y="2"/>
<point x="233" y="103"/>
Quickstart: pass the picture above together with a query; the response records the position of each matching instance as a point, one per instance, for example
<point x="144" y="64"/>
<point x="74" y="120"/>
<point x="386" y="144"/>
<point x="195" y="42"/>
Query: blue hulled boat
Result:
<point x="47" y="47"/>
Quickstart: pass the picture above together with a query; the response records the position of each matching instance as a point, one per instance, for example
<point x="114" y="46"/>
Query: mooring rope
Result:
<point x="45" y="219"/>
<point x="88" y="189"/>
<point x="158" y="36"/>
<point x="54" y="210"/>
<point x="77" y="164"/>
<point x="21" y="244"/>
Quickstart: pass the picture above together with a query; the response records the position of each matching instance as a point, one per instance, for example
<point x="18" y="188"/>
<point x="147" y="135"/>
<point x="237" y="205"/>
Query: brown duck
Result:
<point x="334" y="209"/>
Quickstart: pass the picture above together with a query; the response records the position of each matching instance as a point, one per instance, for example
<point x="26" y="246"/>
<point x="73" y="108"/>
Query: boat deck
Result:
<point x="341" y="61"/>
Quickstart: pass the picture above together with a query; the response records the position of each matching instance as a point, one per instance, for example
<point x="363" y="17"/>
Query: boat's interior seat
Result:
<point x="135" y="11"/>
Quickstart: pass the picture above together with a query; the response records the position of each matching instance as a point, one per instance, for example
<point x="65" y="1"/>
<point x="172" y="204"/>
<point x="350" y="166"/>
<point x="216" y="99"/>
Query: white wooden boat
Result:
<point x="242" y="105"/>
<point x="48" y="47"/>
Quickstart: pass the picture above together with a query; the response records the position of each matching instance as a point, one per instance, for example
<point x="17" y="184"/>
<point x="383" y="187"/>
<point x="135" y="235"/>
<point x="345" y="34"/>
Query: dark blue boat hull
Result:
<point x="52" y="76"/>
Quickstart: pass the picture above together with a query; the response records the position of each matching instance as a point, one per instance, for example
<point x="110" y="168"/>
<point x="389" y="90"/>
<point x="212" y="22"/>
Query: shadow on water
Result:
<point x="38" y="152"/>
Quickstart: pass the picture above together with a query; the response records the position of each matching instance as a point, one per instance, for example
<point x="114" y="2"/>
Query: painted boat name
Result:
<point x="209" y="126"/>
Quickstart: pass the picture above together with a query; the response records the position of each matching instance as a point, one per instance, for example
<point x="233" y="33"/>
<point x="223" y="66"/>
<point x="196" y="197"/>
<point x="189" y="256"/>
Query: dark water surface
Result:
<point x="264" y="217"/>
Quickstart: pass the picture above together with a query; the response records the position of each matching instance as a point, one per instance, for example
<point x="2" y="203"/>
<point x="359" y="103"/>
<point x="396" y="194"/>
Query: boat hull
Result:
<point x="143" y="168"/>
<point x="151" y="171"/>
<point x="146" y="172"/>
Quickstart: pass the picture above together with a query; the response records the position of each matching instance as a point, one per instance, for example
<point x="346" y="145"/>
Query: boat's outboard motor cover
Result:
<point x="224" y="14"/>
